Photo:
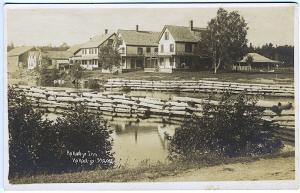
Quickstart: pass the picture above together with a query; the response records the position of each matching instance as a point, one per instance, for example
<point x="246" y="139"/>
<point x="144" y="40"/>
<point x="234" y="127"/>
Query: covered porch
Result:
<point x="256" y="62"/>
<point x="169" y="63"/>
<point x="132" y="62"/>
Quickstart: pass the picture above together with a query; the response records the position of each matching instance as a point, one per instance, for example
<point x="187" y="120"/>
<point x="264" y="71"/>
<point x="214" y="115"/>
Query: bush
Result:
<point x="84" y="132"/>
<point x="40" y="145"/>
<point x="25" y="129"/>
<point x="234" y="127"/>
<point x="93" y="84"/>
<point x="47" y="75"/>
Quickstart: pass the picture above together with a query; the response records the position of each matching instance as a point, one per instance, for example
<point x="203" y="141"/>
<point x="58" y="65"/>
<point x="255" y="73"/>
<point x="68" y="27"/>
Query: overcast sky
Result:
<point x="43" y="26"/>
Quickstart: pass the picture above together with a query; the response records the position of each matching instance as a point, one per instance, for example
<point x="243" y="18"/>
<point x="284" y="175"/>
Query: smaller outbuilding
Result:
<point x="256" y="62"/>
<point x="18" y="58"/>
<point x="58" y="59"/>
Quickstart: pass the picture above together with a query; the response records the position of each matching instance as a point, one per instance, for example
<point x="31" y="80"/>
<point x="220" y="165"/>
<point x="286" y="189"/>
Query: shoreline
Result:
<point x="176" y="171"/>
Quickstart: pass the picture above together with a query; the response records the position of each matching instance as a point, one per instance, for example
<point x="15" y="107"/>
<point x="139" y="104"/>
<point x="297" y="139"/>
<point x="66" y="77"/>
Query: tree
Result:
<point x="234" y="127"/>
<point x="46" y="74"/>
<point x="10" y="46"/>
<point x="25" y="128"/>
<point x="76" y="73"/>
<point x="226" y="39"/>
<point x="109" y="57"/>
<point x="284" y="53"/>
<point x="38" y="145"/>
<point x="249" y="60"/>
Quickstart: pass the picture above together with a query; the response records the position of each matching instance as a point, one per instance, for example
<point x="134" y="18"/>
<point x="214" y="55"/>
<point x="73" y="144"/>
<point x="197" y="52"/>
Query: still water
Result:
<point x="135" y="143"/>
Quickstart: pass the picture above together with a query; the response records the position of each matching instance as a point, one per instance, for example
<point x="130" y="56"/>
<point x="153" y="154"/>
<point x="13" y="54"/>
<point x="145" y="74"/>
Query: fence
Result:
<point x="201" y="86"/>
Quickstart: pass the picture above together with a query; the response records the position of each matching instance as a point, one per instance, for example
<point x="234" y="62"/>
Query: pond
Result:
<point x="135" y="143"/>
<point x="139" y="142"/>
<point x="145" y="141"/>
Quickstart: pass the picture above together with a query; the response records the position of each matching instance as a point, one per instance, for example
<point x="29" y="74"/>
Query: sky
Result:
<point x="37" y="25"/>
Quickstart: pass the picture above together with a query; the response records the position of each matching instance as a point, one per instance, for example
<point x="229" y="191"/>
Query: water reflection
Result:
<point x="135" y="142"/>
<point x="167" y="95"/>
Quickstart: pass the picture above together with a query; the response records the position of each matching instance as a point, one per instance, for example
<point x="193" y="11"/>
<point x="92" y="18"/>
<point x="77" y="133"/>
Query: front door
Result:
<point x="139" y="63"/>
<point x="132" y="64"/>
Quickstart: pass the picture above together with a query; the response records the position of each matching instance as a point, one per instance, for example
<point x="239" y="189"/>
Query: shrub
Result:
<point x="47" y="75"/>
<point x="93" y="84"/>
<point x="26" y="130"/>
<point x="84" y="132"/>
<point x="233" y="127"/>
<point x="40" y="145"/>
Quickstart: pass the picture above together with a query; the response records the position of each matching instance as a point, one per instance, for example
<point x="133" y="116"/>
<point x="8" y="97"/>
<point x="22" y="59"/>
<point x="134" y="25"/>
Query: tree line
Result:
<point x="284" y="53"/>
<point x="225" y="42"/>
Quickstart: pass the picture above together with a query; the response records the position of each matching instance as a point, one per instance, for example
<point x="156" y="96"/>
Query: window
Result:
<point x="161" y="61"/>
<point x="148" y="50"/>
<point x="140" y="51"/>
<point x="156" y="50"/>
<point x="188" y="47"/>
<point x="110" y="42"/>
<point x="171" y="47"/>
<point x="123" y="50"/>
<point x="171" y="61"/>
<point x="161" y="48"/>
<point x="166" y="35"/>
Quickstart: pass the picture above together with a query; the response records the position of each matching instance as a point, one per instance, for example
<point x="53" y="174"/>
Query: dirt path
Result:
<point x="264" y="169"/>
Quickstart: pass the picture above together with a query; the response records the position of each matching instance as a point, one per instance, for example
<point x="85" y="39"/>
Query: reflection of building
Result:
<point x="138" y="48"/>
<point x="87" y="53"/>
<point x="179" y="48"/>
<point x="256" y="63"/>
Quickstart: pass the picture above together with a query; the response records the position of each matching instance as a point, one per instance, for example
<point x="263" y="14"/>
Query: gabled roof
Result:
<point x="58" y="54"/>
<point x="96" y="41"/>
<point x="184" y="34"/>
<point x="257" y="58"/>
<point x="19" y="50"/>
<point x="74" y="48"/>
<point x="139" y="38"/>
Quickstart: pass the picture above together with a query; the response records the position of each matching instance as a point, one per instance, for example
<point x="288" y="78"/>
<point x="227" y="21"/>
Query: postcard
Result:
<point x="151" y="96"/>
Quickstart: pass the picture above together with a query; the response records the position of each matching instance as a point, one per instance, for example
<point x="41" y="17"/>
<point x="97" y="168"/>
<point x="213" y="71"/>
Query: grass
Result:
<point x="142" y="173"/>
<point x="254" y="77"/>
<point x="222" y="76"/>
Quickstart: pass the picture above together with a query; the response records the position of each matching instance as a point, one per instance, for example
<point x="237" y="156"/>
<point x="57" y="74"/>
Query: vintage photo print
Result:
<point x="151" y="96"/>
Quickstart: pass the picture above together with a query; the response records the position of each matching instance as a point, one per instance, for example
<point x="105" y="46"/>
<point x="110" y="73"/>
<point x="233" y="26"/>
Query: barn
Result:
<point x="17" y="58"/>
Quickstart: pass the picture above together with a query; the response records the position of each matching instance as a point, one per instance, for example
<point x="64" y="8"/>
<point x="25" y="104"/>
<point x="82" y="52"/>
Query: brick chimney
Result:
<point x="191" y="24"/>
<point x="106" y="31"/>
<point x="137" y="27"/>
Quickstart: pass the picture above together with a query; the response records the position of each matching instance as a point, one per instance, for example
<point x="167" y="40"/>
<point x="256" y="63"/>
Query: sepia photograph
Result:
<point x="126" y="93"/>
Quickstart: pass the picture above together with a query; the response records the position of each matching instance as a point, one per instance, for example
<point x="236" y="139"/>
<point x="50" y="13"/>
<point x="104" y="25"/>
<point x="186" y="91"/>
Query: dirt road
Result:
<point x="282" y="168"/>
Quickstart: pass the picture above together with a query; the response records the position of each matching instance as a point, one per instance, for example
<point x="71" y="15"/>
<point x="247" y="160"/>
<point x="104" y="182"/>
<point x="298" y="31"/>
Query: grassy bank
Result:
<point x="246" y="77"/>
<point x="142" y="173"/>
<point x="222" y="76"/>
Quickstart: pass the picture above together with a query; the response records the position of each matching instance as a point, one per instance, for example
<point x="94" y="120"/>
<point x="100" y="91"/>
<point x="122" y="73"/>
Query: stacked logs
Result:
<point x="201" y="86"/>
<point x="172" y="111"/>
